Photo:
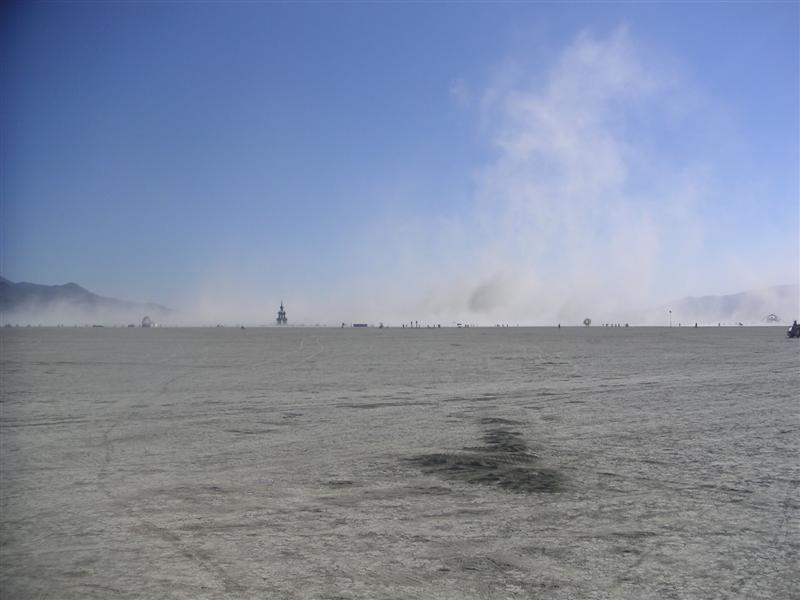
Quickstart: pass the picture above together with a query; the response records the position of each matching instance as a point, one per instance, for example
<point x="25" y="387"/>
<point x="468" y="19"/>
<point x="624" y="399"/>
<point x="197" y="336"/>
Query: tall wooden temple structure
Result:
<point x="282" y="315"/>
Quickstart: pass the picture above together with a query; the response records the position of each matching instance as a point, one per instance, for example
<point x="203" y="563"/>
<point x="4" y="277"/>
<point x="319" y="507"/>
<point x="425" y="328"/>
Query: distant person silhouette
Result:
<point x="794" y="330"/>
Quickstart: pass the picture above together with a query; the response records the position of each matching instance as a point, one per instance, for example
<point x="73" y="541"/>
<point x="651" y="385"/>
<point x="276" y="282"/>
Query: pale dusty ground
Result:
<point x="324" y="463"/>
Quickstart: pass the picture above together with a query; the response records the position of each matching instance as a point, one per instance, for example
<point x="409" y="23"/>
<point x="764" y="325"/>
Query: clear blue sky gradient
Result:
<point x="149" y="146"/>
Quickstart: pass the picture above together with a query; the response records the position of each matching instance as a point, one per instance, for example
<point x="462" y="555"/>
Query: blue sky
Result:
<point x="479" y="161"/>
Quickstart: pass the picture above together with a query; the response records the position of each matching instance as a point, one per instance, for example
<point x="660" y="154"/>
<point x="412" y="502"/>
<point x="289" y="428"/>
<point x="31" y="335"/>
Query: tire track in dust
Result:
<point x="199" y="557"/>
<point x="147" y="526"/>
<point x="314" y="354"/>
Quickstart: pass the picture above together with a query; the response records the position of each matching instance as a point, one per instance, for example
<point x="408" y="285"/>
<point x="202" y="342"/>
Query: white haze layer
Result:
<point x="609" y="189"/>
<point x="599" y="200"/>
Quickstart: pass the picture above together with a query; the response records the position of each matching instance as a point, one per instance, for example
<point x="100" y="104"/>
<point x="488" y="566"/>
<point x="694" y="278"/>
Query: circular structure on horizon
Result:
<point x="147" y="322"/>
<point x="587" y="321"/>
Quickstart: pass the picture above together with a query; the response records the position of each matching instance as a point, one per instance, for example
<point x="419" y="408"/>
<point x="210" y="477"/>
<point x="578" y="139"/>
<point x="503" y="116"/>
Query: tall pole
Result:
<point x="670" y="317"/>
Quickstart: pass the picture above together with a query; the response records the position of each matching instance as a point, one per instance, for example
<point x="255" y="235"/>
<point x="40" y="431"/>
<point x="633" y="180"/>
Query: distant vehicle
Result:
<point x="360" y="325"/>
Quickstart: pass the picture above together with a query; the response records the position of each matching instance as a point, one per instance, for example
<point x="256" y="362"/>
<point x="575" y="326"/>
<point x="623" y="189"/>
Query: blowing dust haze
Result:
<point x="606" y="176"/>
<point x="580" y="211"/>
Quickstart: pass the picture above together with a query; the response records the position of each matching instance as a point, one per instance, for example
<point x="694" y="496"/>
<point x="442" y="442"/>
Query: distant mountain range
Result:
<point x="23" y="303"/>
<point x="70" y="304"/>
<point x="750" y="308"/>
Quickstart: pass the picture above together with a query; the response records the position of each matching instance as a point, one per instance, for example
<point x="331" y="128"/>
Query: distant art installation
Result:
<point x="282" y="320"/>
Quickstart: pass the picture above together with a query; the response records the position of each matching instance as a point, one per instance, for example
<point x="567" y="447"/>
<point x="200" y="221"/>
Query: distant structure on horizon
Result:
<point x="282" y="320"/>
<point x="147" y="322"/>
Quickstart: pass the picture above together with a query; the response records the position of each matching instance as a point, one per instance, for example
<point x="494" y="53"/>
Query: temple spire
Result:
<point x="282" y="320"/>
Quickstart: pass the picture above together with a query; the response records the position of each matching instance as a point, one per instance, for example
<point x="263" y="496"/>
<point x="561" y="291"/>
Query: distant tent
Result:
<point x="147" y="322"/>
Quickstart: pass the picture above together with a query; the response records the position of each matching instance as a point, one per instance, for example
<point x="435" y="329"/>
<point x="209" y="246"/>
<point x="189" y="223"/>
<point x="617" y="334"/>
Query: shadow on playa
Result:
<point x="504" y="461"/>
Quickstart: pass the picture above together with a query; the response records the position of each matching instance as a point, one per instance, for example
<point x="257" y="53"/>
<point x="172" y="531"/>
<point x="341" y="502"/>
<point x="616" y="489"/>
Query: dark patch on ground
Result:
<point x="504" y="461"/>
<point x="431" y="490"/>
<point x="556" y="552"/>
<point x="481" y="398"/>
<point x="339" y="483"/>
<point x="634" y="535"/>
<point x="498" y="421"/>
<point x="251" y="431"/>
<point x="371" y="405"/>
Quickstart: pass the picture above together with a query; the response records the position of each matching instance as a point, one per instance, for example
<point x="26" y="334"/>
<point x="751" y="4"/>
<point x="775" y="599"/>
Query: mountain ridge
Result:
<point x="68" y="303"/>
<point x="750" y="307"/>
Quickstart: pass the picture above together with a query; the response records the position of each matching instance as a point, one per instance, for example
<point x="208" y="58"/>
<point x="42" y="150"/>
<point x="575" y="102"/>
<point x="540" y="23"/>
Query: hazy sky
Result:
<point x="401" y="160"/>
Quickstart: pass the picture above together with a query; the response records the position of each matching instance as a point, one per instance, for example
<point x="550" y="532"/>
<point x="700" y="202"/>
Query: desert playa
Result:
<point x="453" y="463"/>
